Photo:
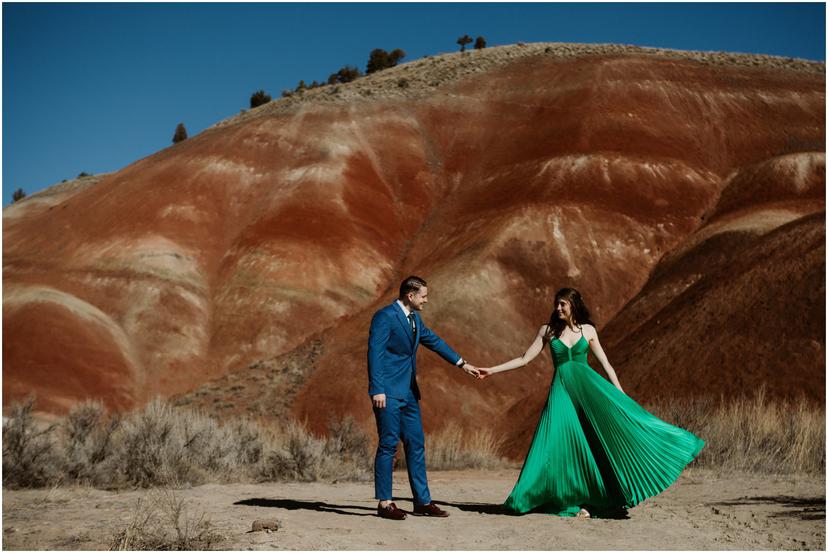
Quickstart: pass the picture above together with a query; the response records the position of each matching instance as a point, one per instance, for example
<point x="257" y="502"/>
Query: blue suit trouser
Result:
<point x="400" y="419"/>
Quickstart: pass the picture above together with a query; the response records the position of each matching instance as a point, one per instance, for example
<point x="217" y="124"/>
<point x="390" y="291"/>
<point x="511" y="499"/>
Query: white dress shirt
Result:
<point x="407" y="312"/>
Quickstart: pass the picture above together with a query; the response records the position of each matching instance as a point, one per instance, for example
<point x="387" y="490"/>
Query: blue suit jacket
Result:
<point x="392" y="352"/>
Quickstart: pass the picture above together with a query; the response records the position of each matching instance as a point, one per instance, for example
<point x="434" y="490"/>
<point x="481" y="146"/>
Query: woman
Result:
<point x="595" y="451"/>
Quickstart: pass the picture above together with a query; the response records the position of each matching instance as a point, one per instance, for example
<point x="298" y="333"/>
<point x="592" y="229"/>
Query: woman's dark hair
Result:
<point x="580" y="313"/>
<point x="411" y="284"/>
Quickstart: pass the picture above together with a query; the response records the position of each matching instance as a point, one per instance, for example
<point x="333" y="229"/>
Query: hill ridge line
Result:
<point x="441" y="69"/>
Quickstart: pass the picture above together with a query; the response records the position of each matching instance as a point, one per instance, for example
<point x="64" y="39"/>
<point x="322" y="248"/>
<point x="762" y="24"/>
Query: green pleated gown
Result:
<point x="595" y="447"/>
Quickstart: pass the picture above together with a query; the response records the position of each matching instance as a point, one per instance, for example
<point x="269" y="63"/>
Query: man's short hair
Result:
<point x="411" y="284"/>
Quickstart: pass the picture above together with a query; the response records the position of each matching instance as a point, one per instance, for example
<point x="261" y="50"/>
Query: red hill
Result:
<point x="682" y="193"/>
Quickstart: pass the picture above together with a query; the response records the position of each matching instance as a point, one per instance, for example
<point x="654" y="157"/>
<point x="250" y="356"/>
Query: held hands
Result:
<point x="470" y="369"/>
<point x="477" y="372"/>
<point x="483" y="373"/>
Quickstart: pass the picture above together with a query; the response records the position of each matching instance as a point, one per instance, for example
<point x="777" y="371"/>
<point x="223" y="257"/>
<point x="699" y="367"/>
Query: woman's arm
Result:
<point x="521" y="361"/>
<point x="592" y="337"/>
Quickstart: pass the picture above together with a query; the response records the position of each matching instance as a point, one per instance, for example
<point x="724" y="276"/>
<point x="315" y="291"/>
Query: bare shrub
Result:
<point x="346" y="440"/>
<point x="276" y="466"/>
<point x="348" y="451"/>
<point x="87" y="442"/>
<point x="161" y="522"/>
<point x="250" y="441"/>
<point x="298" y="458"/>
<point x="29" y="457"/>
<point x="299" y="455"/>
<point x="162" y="445"/>
<point x="151" y="454"/>
<point x="155" y="445"/>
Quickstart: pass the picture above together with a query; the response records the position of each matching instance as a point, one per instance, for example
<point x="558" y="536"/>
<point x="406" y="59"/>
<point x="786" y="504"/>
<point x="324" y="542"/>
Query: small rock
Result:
<point x="267" y="525"/>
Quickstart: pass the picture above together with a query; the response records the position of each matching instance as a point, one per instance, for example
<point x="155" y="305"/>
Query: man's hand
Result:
<point x="378" y="400"/>
<point x="470" y="369"/>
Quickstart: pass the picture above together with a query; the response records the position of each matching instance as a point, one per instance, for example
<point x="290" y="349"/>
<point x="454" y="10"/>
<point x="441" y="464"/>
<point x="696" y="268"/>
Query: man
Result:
<point x="396" y="332"/>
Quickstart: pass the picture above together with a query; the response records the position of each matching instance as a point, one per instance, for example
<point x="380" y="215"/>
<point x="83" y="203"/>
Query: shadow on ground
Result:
<point x="806" y="508"/>
<point x="497" y="509"/>
<point x="295" y="504"/>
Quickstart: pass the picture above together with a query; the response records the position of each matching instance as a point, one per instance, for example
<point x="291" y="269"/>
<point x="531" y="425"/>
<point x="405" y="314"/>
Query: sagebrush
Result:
<point x="162" y="445"/>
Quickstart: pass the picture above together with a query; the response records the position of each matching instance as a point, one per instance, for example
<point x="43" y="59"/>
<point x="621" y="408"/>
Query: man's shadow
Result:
<point x="321" y="506"/>
<point x="296" y="504"/>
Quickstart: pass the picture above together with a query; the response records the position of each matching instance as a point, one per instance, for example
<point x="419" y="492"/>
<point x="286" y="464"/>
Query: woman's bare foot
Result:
<point x="583" y="513"/>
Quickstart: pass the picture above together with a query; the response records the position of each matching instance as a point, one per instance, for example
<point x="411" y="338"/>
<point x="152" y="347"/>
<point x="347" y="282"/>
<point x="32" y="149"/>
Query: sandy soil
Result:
<point x="700" y="511"/>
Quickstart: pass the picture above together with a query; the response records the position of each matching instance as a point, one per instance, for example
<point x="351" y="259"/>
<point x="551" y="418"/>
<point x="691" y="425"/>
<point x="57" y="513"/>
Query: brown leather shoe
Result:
<point x="391" y="511"/>
<point x="429" y="510"/>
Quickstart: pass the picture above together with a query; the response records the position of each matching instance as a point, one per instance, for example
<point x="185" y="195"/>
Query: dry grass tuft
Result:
<point x="752" y="433"/>
<point x="161" y="522"/>
<point x="453" y="449"/>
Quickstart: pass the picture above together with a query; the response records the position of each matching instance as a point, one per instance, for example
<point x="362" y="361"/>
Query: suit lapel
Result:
<point x="403" y="321"/>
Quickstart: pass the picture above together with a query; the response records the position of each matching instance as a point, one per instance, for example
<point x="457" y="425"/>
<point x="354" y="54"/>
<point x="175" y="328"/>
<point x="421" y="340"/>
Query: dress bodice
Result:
<point x="562" y="354"/>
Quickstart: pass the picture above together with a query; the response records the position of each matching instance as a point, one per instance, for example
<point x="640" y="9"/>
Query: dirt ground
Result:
<point x="701" y="511"/>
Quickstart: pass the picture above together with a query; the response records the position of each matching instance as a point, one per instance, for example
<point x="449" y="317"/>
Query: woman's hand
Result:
<point x="483" y="373"/>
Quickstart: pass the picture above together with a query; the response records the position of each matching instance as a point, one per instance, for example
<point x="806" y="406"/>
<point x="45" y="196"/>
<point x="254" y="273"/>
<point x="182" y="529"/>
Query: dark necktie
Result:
<point x="411" y="322"/>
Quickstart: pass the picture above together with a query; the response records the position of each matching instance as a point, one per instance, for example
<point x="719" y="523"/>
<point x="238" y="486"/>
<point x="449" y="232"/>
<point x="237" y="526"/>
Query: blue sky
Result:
<point x="94" y="87"/>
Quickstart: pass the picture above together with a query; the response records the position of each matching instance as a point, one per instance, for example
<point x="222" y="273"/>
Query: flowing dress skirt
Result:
<point x="594" y="446"/>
